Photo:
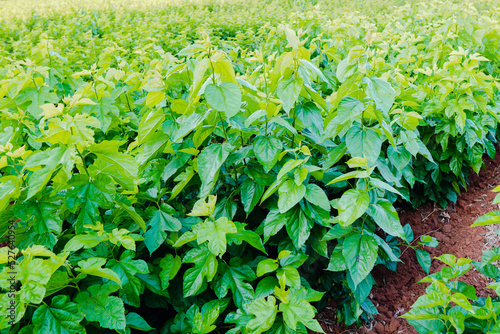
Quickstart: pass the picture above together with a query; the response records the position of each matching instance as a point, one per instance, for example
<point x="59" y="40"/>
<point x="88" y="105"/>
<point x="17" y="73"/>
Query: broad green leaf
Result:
<point x="156" y="234"/>
<point x="149" y="123"/>
<point x="289" y="195"/>
<point x="360" y="253"/>
<point x="135" y="321"/>
<point x="386" y="218"/>
<point x="210" y="161"/>
<point x="299" y="311"/>
<point x="267" y="151"/>
<point x="224" y="97"/>
<point x="251" y="193"/>
<point x="204" y="270"/>
<point x="381" y="92"/>
<point x="352" y="205"/>
<point x="316" y="196"/>
<point x="62" y="316"/>
<point x="288" y="91"/>
<point x="215" y="234"/>
<point x="298" y="226"/>
<point x="97" y="305"/>
<point x="126" y="268"/>
<point x="169" y="265"/>
<point x="266" y="266"/>
<point x="93" y="266"/>
<point x="233" y="278"/>
<point x="365" y="143"/>
<point x="424" y="259"/>
<point x="264" y="312"/>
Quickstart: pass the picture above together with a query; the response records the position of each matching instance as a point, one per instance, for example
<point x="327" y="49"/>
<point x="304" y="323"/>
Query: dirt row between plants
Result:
<point x="395" y="292"/>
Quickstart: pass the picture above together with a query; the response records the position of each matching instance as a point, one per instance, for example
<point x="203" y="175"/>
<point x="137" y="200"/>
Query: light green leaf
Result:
<point x="289" y="195"/>
<point x="225" y="97"/>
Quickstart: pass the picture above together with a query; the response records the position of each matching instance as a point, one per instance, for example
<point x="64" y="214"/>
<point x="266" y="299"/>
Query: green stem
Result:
<point x="223" y="127"/>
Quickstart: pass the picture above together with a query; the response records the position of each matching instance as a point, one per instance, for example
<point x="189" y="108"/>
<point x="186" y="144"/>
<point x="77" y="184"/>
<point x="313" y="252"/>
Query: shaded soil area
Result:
<point x="395" y="292"/>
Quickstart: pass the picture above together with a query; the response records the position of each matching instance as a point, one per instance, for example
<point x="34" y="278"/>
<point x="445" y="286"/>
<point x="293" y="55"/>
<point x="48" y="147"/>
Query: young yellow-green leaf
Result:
<point x="264" y="312"/>
<point x="225" y="97"/>
<point x="215" y="234"/>
<point x="204" y="207"/>
<point x="266" y="266"/>
<point x="490" y="218"/>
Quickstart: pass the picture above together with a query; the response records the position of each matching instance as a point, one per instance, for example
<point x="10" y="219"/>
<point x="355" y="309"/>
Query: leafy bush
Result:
<point x="237" y="182"/>
<point x="452" y="306"/>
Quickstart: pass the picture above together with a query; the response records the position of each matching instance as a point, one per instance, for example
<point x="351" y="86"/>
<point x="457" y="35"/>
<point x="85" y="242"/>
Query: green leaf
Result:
<point x="274" y="222"/>
<point x="86" y="201"/>
<point x="149" y="123"/>
<point x="490" y="218"/>
<point x="381" y="92"/>
<point x="156" y="234"/>
<point x="288" y="91"/>
<point x="51" y="159"/>
<point x="266" y="266"/>
<point x="264" y="312"/>
<point x="386" y="218"/>
<point x="316" y="196"/>
<point x="93" y="266"/>
<point x="169" y="265"/>
<point x="233" y="278"/>
<point x="251" y="193"/>
<point x="97" y="305"/>
<point x="88" y="240"/>
<point x="210" y="161"/>
<point x="215" y="234"/>
<point x="424" y="259"/>
<point x="360" y="253"/>
<point x="399" y="157"/>
<point x="205" y="268"/>
<point x="225" y="97"/>
<point x="267" y="151"/>
<point x="298" y="226"/>
<point x="135" y="321"/>
<point x="61" y="316"/>
<point x="352" y="205"/>
<point x="365" y="143"/>
<point x="289" y="195"/>
<point x="299" y="311"/>
<point x="126" y="268"/>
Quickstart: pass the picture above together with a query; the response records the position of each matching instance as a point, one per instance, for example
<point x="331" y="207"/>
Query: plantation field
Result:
<point x="234" y="166"/>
